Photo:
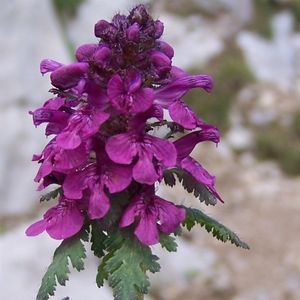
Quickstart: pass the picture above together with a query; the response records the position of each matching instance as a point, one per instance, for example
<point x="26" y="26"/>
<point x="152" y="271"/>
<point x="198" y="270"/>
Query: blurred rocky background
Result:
<point x="252" y="48"/>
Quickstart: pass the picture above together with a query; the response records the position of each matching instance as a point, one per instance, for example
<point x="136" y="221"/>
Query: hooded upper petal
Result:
<point x="187" y="143"/>
<point x="181" y="85"/>
<point x="69" y="76"/>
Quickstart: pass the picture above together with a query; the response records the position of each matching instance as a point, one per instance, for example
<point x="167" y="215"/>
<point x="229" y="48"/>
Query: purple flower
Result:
<point x="54" y="158"/>
<point x="128" y="96"/>
<point x="148" y="153"/>
<point x="152" y="214"/>
<point x="105" y="107"/>
<point x="95" y="177"/>
<point x="82" y="125"/>
<point x="61" y="221"/>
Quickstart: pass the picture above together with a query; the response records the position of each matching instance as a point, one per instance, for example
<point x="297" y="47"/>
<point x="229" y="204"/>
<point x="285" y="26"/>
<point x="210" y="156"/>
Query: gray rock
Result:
<point x="28" y="33"/>
<point x="275" y="60"/>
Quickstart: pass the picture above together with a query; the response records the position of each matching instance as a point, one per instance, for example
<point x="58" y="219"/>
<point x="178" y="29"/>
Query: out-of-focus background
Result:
<point x="252" y="48"/>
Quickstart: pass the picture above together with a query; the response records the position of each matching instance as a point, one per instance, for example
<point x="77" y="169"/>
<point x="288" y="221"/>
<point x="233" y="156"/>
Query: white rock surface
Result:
<point x="194" y="43"/>
<point x="275" y="60"/>
<point x="29" y="32"/>
<point x="19" y="140"/>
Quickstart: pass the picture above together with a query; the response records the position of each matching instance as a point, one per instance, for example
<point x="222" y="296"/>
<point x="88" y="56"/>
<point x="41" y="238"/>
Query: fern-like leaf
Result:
<point x="190" y="184"/>
<point x="218" y="230"/>
<point x="125" y="266"/>
<point x="58" y="271"/>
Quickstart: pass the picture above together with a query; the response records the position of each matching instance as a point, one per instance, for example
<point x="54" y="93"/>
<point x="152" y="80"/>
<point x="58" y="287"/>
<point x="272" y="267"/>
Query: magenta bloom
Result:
<point x="103" y="119"/>
<point x="151" y="153"/>
<point x="127" y="95"/>
<point x="61" y="221"/>
<point x="153" y="214"/>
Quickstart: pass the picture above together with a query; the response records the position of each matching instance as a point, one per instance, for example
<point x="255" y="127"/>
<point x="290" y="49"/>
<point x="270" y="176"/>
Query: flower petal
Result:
<point x="99" y="203"/>
<point x="65" y="221"/>
<point x="85" y="52"/>
<point x="163" y="150"/>
<point x="183" y="115"/>
<point x="48" y="65"/>
<point x="36" y="228"/>
<point x="130" y="213"/>
<point x="68" y="76"/>
<point x="200" y="174"/>
<point x="121" y="148"/>
<point x="117" y="178"/>
<point x="180" y="86"/>
<point x="115" y="90"/>
<point x="144" y="171"/>
<point x="133" y="81"/>
<point x="143" y="100"/>
<point x="147" y="231"/>
<point x="187" y="143"/>
<point x="74" y="184"/>
<point x="68" y="140"/>
<point x="170" y="215"/>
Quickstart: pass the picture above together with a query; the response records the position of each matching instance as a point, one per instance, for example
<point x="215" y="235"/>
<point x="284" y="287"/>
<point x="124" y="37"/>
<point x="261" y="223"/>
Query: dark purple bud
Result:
<point x="159" y="29"/>
<point x="166" y="49"/>
<point x="102" y="27"/>
<point x="68" y="76"/>
<point x="48" y="65"/>
<point x="133" y="32"/>
<point x="102" y="56"/>
<point x="119" y="21"/>
<point x="85" y="52"/>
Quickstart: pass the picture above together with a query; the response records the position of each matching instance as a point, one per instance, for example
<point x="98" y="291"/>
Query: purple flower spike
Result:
<point x="61" y="221"/>
<point x="128" y="95"/>
<point x="104" y="118"/>
<point x="150" y="209"/>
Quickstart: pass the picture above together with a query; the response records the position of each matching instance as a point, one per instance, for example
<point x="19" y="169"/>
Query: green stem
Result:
<point x="61" y="17"/>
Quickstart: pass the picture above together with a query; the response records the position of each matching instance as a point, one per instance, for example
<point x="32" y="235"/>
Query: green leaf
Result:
<point x="125" y="266"/>
<point x="168" y="242"/>
<point x="51" y="195"/>
<point x="71" y="248"/>
<point x="98" y="238"/>
<point x="219" y="231"/>
<point x="190" y="184"/>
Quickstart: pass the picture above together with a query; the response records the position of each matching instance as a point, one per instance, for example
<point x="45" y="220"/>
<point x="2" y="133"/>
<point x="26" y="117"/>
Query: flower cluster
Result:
<point x="102" y="120"/>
